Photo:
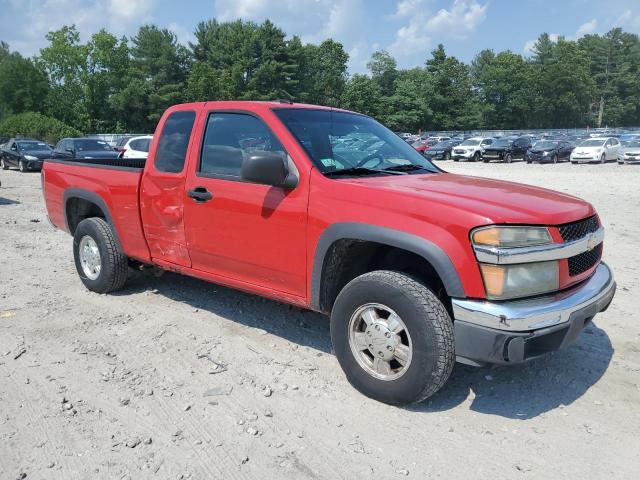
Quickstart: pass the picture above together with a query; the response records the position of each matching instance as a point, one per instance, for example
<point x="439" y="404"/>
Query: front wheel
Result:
<point x="22" y="166"/>
<point x="508" y="158"/>
<point x="476" y="157"/>
<point x="3" y="164"/>
<point x="100" y="263"/>
<point x="446" y="156"/>
<point x="554" y="159"/>
<point x="603" y="158"/>
<point x="392" y="337"/>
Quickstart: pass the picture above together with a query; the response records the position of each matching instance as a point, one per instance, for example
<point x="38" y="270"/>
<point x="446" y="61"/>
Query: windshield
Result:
<point x="472" y="142"/>
<point x="442" y="144"/>
<point x="595" y="142"/>
<point x="545" y="144"/>
<point x="33" y="146"/>
<point x="89" y="145"/>
<point x="633" y="144"/>
<point x="502" y="142"/>
<point x="339" y="141"/>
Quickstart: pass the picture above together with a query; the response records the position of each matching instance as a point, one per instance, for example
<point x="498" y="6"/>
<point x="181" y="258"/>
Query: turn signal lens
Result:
<point x="507" y="237"/>
<point x="502" y="282"/>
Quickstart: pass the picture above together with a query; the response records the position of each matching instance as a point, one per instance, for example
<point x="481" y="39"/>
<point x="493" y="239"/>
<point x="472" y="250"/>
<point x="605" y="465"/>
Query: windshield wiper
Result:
<point x="409" y="167"/>
<point x="359" y="171"/>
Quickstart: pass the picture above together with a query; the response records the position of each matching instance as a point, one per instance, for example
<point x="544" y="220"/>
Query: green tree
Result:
<point x="452" y="100"/>
<point x="23" y="86"/>
<point x="364" y="95"/>
<point x="384" y="70"/>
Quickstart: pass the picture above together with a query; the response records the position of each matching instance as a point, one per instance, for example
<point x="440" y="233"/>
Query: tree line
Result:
<point x="110" y="84"/>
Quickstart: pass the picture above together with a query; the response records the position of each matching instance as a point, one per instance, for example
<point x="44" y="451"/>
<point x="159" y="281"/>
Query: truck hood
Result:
<point x="490" y="201"/>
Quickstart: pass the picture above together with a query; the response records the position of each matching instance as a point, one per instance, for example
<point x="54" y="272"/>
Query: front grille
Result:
<point x="584" y="261"/>
<point x="576" y="230"/>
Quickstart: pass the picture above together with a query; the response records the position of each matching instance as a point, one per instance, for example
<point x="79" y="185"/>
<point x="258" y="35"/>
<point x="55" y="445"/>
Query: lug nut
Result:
<point x="389" y="347"/>
<point x="388" y="335"/>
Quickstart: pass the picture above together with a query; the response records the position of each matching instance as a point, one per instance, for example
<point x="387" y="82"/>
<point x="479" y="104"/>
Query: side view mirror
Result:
<point x="268" y="168"/>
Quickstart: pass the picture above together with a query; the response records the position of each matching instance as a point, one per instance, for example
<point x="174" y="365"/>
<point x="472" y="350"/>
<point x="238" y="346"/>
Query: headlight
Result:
<point x="511" y="281"/>
<point x="503" y="282"/>
<point x="545" y="153"/>
<point x="508" y="237"/>
<point x="30" y="157"/>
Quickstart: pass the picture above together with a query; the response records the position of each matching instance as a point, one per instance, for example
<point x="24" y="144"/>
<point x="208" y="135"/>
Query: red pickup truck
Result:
<point x="329" y="210"/>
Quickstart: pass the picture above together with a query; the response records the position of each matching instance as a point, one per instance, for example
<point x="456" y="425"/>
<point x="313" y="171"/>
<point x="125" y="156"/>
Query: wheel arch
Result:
<point x="80" y="204"/>
<point x="336" y="234"/>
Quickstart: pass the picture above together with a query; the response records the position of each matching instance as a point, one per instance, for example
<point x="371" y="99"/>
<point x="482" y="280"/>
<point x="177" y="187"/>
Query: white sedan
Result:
<point x="136" y="147"/>
<point x="596" y="150"/>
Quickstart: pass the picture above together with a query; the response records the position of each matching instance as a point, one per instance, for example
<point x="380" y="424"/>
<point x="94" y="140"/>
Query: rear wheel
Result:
<point x="446" y="156"/>
<point x="100" y="263"/>
<point x="508" y="158"/>
<point x="3" y="164"/>
<point x="554" y="159"/>
<point x="392" y="337"/>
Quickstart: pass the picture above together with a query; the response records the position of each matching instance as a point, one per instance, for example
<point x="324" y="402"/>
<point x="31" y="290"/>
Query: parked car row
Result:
<point x="28" y="154"/>
<point x="530" y="149"/>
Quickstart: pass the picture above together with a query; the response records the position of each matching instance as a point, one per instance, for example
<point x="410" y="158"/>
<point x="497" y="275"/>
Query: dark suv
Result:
<point x="507" y="150"/>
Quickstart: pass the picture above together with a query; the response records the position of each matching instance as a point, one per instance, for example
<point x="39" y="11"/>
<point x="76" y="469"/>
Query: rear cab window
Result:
<point x="174" y="141"/>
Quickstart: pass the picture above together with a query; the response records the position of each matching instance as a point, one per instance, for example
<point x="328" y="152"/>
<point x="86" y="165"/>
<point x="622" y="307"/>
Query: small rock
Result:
<point x="268" y="413"/>
<point x="267" y="392"/>
<point x="243" y="460"/>
<point x="148" y="441"/>
<point x="402" y="471"/>
<point x="133" y="442"/>
<point x="215" y="391"/>
<point x="187" y="408"/>
<point x="51" y="464"/>
<point x="252" y="431"/>
<point x="124" y="401"/>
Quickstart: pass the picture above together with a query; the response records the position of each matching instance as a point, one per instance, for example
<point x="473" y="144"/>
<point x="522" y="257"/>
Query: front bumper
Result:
<point x="33" y="164"/>
<point x="462" y="156"/>
<point x="519" y="330"/>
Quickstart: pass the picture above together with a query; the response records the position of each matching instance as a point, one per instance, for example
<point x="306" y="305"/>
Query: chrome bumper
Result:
<point x="541" y="312"/>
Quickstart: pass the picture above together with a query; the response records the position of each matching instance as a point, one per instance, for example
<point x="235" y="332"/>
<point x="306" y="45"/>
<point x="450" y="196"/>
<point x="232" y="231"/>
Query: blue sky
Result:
<point x="409" y="29"/>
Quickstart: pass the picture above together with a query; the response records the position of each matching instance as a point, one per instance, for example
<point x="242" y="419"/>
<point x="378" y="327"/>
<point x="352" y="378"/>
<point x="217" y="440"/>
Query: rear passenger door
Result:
<point x="162" y="189"/>
<point x="254" y="234"/>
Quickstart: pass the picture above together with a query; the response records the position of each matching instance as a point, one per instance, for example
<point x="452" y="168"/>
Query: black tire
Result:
<point x="554" y="159"/>
<point x="21" y="166"/>
<point x="427" y="322"/>
<point x="508" y="158"/>
<point x="114" y="264"/>
<point x="528" y="161"/>
<point x="456" y="159"/>
<point x="3" y="164"/>
<point x="485" y="160"/>
<point x="603" y="158"/>
<point x="476" y="157"/>
<point x="446" y="156"/>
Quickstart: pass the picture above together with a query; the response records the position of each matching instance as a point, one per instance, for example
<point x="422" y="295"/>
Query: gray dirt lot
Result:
<point x="126" y="385"/>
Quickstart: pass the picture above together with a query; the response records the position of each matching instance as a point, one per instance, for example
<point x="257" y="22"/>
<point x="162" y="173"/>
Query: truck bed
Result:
<point x="115" y="184"/>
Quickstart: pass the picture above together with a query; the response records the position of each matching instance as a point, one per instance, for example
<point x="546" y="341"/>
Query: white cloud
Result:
<point x="629" y="21"/>
<point x="118" y="16"/>
<point x="587" y="28"/>
<point x="457" y="22"/>
<point x="461" y="20"/>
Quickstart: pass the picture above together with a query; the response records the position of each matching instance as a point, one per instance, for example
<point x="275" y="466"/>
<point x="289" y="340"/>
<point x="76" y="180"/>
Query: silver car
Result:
<point x="630" y="152"/>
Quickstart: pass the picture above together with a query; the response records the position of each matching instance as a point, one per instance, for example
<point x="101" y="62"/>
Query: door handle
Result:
<point x="200" y="194"/>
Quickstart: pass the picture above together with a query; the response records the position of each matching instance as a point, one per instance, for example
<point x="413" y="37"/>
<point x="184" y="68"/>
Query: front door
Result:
<point x="251" y="233"/>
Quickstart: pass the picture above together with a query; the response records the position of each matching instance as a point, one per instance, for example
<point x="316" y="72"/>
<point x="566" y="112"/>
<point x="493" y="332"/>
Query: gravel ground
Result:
<point x="176" y="378"/>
